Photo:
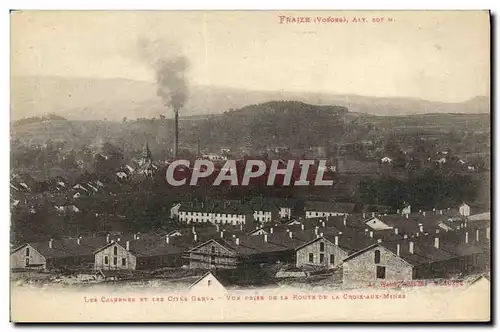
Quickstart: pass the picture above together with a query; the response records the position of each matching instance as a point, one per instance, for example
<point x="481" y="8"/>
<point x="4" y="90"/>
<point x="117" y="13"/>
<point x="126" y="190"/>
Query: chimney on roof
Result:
<point x="167" y="239"/>
<point x="51" y="243"/>
<point x="405" y="236"/>
<point x="434" y="210"/>
<point x="421" y="227"/>
<point x="345" y="221"/>
<point x="195" y="237"/>
<point x="336" y="240"/>
<point x="302" y="226"/>
<point x="316" y="230"/>
<point x="410" y="248"/>
<point x="437" y="231"/>
<point x="291" y="234"/>
<point x="79" y="240"/>
<point x="379" y="240"/>
<point x="222" y="234"/>
<point x="265" y="237"/>
<point x="465" y="223"/>
<point x="466" y="237"/>
<point x="234" y="236"/>
<point x="366" y="230"/>
<point x="407" y="216"/>
<point x="399" y="211"/>
<point x="398" y="249"/>
<point x="396" y="231"/>
<point x="420" y="211"/>
<point x="477" y="235"/>
<point x="423" y="213"/>
<point x="127" y="244"/>
<point x="271" y="230"/>
<point x="194" y="229"/>
<point x="371" y="233"/>
<point x="327" y="218"/>
<point x="107" y="238"/>
<point x="323" y="223"/>
<point x="436" y="242"/>
<point x="241" y="227"/>
<point x="364" y="215"/>
<point x="237" y="241"/>
<point x="288" y="230"/>
<point x="217" y="227"/>
<point x="373" y="214"/>
<point x="441" y="212"/>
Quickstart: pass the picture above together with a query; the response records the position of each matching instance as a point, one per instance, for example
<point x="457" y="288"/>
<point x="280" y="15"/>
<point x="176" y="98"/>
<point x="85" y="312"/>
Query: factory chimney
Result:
<point x="176" y="130"/>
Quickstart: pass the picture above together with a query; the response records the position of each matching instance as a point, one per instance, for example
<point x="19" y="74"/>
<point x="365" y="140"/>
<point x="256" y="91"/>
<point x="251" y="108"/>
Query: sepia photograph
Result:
<point x="250" y="166"/>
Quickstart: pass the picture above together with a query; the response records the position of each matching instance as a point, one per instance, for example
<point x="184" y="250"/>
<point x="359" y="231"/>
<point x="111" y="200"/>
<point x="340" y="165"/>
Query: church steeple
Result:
<point x="146" y="153"/>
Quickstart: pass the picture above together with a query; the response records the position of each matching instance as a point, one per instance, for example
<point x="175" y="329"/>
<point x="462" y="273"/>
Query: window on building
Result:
<point x="27" y="262"/>
<point x="212" y="249"/>
<point x="332" y="259"/>
<point x="322" y="246"/>
<point x="106" y="260"/>
<point x="321" y="258"/>
<point x="124" y="261"/>
<point x="209" y="283"/>
<point x="115" y="250"/>
<point x="115" y="261"/>
<point x="380" y="272"/>
<point x="27" y="251"/>
<point x="311" y="258"/>
<point x="377" y="256"/>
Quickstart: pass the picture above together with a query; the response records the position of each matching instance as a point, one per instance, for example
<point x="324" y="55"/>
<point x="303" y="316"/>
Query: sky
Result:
<point x="441" y="56"/>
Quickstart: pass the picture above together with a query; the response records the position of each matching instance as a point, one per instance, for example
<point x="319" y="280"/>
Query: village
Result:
<point x="251" y="245"/>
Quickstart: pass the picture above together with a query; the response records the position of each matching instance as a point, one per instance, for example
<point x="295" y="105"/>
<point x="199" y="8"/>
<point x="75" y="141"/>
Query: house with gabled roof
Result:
<point x="425" y="257"/>
<point x="330" y="249"/>
<point x="209" y="284"/>
<point x="63" y="253"/>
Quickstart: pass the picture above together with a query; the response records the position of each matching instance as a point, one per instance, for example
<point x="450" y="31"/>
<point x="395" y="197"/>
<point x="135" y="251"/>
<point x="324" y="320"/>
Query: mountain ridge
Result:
<point x="117" y="98"/>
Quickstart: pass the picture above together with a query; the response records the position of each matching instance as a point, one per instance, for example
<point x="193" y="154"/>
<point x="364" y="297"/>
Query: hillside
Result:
<point x="293" y="124"/>
<point x="114" y="99"/>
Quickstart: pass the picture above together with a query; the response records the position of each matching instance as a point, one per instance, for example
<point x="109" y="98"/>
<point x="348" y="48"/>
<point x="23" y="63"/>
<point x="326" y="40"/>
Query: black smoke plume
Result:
<point x="170" y="68"/>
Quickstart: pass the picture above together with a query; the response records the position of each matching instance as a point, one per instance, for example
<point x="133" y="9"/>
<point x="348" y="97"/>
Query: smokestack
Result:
<point x="436" y="242"/>
<point x="51" y="243"/>
<point x="127" y="244"/>
<point x="410" y="249"/>
<point x="176" y="129"/>
<point x="398" y="249"/>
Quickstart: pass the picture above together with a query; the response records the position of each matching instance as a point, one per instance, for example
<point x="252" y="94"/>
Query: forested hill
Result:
<point x="277" y="123"/>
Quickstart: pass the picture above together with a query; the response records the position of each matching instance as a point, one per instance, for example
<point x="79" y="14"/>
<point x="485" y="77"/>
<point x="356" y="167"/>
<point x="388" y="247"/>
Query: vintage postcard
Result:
<point x="250" y="166"/>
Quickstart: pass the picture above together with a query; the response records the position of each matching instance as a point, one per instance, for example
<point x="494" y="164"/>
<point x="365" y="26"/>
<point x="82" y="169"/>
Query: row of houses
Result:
<point x="368" y="248"/>
<point x="235" y="212"/>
